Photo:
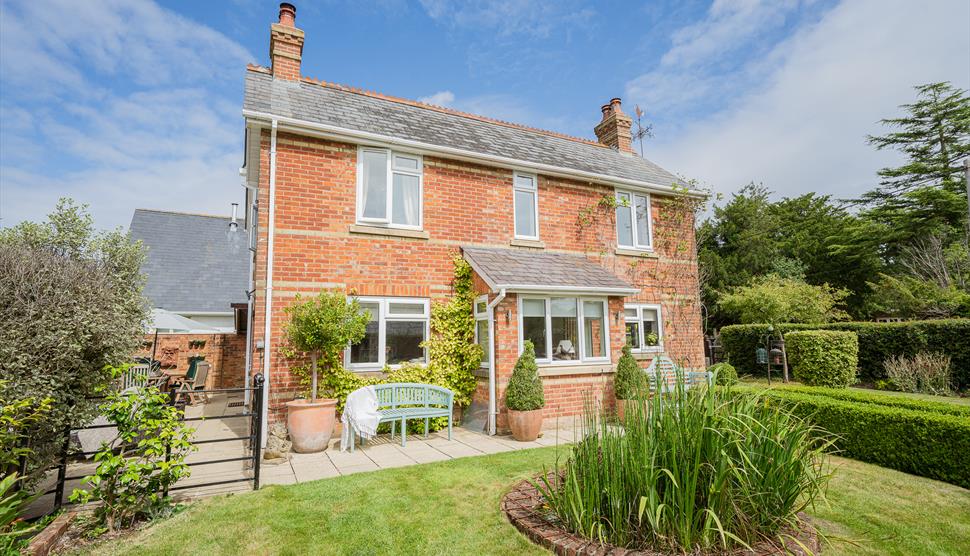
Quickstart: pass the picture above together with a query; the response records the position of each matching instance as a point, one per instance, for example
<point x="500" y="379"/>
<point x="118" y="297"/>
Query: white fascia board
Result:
<point x="534" y="289"/>
<point x="354" y="136"/>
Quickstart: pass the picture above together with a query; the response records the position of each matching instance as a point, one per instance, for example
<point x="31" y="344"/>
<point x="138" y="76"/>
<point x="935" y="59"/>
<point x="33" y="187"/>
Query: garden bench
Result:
<point x="398" y="402"/>
<point x="663" y="370"/>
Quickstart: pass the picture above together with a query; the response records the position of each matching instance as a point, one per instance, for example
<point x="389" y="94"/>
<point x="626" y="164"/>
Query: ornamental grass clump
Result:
<point x="699" y="470"/>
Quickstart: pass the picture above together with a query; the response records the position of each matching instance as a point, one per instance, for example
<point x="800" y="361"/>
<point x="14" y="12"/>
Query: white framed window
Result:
<point x="397" y="328"/>
<point x="390" y="188"/>
<point x="565" y="329"/>
<point x="526" y="191"/>
<point x="644" y="327"/>
<point x="481" y="327"/>
<point x="634" y="223"/>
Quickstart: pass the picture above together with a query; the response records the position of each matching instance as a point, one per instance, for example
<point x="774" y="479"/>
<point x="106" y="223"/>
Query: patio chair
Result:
<point x="191" y="385"/>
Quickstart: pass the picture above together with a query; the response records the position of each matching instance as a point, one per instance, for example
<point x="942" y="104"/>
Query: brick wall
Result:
<point x="226" y="353"/>
<point x="464" y="203"/>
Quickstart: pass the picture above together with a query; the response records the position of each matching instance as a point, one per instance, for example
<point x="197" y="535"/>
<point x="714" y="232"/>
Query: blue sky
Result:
<point x="124" y="104"/>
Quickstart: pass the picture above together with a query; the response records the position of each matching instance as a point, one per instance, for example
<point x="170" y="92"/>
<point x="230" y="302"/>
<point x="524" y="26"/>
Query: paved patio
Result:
<point x="383" y="453"/>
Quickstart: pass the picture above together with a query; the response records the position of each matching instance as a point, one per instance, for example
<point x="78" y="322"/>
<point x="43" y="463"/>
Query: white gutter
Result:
<point x="492" y="409"/>
<point x="355" y="136"/>
<point x="268" y="315"/>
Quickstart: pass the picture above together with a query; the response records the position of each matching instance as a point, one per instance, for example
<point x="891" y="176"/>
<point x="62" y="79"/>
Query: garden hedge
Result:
<point x="925" y="443"/>
<point x="877" y="342"/>
<point x="879" y="398"/>
<point x="823" y="357"/>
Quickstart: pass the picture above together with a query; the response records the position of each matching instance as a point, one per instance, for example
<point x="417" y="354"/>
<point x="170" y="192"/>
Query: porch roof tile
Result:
<point x="523" y="270"/>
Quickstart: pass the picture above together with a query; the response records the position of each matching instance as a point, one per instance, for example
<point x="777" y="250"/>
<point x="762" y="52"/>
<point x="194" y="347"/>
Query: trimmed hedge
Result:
<point x="925" y="443"/>
<point x="823" y="357"/>
<point x="889" y="400"/>
<point x="878" y="341"/>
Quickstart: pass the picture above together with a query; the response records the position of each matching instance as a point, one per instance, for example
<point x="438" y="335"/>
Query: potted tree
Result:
<point x="320" y="327"/>
<point x="524" y="398"/>
<point x="628" y="382"/>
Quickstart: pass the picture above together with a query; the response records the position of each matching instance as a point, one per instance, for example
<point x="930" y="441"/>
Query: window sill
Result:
<point x="388" y="232"/>
<point x="534" y="243"/>
<point x="645" y="253"/>
<point x="646" y="354"/>
<point x="481" y="372"/>
<point x="603" y="368"/>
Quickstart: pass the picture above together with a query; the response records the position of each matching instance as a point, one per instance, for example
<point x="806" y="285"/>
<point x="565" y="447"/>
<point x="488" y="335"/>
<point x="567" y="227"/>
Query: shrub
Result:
<point x="925" y="443"/>
<point x="924" y="373"/>
<point x="876" y="398"/>
<point x="698" y="472"/>
<point x="143" y="461"/>
<point x="71" y="303"/>
<point x="16" y="417"/>
<point x="524" y="392"/>
<point x="14" y="501"/>
<point x="629" y="377"/>
<point x="724" y="373"/>
<point x="878" y="341"/>
<point x="823" y="357"/>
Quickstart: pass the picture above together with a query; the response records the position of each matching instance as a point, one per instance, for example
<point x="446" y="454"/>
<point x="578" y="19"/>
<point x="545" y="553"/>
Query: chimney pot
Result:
<point x="287" y="14"/>
<point x="606" y="108"/>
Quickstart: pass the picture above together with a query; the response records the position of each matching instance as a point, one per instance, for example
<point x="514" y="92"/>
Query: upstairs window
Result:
<point x="526" y="206"/>
<point x="389" y="187"/>
<point x="633" y="220"/>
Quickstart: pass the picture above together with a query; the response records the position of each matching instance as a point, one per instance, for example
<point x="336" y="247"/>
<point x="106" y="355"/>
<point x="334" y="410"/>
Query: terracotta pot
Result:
<point x="310" y="424"/>
<point x="525" y="425"/>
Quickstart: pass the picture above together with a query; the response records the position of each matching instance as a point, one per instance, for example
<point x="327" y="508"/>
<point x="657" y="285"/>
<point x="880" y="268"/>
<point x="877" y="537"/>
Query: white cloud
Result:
<point x="535" y="18"/>
<point x="801" y="127"/>
<point x="120" y="104"/>
<point x="441" y="98"/>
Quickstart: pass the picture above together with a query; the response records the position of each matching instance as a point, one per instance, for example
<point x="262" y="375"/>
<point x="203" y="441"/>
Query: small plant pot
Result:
<point x="525" y="425"/>
<point x="310" y="423"/>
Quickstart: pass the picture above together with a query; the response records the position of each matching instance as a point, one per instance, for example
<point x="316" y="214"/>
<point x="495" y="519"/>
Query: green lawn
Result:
<point x="952" y="399"/>
<point x="453" y="507"/>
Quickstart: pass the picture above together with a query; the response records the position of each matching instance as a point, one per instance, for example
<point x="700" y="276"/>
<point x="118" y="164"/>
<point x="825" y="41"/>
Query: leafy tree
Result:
<point x="323" y="326"/>
<point x="71" y="304"/>
<point x="774" y="300"/>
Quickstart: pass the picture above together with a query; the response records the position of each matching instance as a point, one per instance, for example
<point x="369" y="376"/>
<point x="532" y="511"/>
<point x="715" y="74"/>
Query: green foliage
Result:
<point x="452" y="351"/>
<point x="71" y="304"/>
<point x="696" y="472"/>
<point x="16" y="419"/>
<point x="146" y="457"/>
<point x="323" y="326"/>
<point x="878" y="341"/>
<point x="773" y="299"/>
<point x="823" y="357"/>
<point x="724" y="373"/>
<point x="876" y="398"/>
<point x="630" y="378"/>
<point x="924" y="373"/>
<point x="926" y="443"/>
<point x="524" y="391"/>
<point x="13" y="502"/>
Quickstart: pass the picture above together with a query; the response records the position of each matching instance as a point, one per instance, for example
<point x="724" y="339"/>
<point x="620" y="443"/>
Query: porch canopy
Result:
<point x="519" y="270"/>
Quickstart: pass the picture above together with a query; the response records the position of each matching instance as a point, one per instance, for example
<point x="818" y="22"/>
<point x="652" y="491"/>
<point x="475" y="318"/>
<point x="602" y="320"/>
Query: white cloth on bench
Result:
<point x="360" y="416"/>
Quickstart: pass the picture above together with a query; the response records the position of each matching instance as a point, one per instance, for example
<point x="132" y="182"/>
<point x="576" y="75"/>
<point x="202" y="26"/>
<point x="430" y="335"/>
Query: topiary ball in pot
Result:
<point x="524" y="398"/>
<point x="629" y="383"/>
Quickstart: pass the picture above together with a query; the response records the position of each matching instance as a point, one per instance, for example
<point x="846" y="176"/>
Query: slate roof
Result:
<point x="193" y="262"/>
<point x="352" y="109"/>
<point x="523" y="270"/>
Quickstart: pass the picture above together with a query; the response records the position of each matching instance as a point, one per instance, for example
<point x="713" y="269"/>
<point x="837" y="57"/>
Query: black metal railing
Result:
<point x="253" y="439"/>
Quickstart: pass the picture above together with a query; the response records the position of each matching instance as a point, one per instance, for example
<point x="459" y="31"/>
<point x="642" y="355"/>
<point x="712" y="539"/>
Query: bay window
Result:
<point x="565" y="329"/>
<point x="389" y="188"/>
<point x="526" y="206"/>
<point x="633" y="220"/>
<point x="644" y="329"/>
<point x="394" y="333"/>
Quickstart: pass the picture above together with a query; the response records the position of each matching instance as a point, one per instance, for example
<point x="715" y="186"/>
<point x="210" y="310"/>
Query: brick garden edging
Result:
<point x="521" y="507"/>
<point x="42" y="544"/>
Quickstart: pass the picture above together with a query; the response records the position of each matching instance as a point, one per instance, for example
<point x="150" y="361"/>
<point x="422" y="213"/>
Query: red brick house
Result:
<point x="577" y="245"/>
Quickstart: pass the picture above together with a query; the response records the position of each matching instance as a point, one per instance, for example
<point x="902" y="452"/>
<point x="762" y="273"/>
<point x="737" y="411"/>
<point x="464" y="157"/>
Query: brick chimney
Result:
<point x="614" y="130"/>
<point x="286" y="45"/>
